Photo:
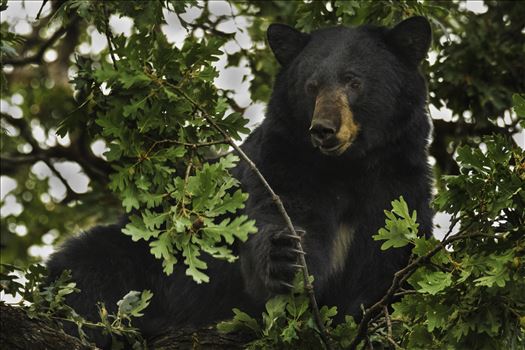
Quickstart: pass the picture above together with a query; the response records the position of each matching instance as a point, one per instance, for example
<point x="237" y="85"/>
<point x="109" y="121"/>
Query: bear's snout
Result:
<point x="333" y="128"/>
<point x="323" y="132"/>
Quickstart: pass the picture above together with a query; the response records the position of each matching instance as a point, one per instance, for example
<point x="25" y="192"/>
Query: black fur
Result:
<point x="321" y="193"/>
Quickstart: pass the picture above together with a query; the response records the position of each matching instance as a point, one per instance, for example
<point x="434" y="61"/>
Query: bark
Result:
<point x="20" y="332"/>
<point x="204" y="338"/>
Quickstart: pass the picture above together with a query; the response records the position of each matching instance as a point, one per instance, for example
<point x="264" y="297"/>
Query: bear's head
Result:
<point x="349" y="90"/>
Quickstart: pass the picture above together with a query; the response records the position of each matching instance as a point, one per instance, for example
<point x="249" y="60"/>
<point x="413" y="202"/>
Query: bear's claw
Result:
<point x="286" y="284"/>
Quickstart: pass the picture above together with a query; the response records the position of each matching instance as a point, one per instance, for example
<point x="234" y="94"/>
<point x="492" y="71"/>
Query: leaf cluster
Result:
<point x="287" y="322"/>
<point x="46" y="300"/>
<point x="149" y="102"/>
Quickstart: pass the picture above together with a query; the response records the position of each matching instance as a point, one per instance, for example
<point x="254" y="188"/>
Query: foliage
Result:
<point x="400" y="228"/>
<point x="469" y="295"/>
<point x="287" y="323"/>
<point x="46" y="300"/>
<point x="151" y="126"/>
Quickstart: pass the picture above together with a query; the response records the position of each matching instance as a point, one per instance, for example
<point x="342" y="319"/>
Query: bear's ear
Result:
<point x="411" y="39"/>
<point x="286" y="42"/>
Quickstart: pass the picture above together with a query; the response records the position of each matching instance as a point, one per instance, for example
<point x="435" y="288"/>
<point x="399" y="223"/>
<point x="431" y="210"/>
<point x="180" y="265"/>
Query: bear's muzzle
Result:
<point x="333" y="128"/>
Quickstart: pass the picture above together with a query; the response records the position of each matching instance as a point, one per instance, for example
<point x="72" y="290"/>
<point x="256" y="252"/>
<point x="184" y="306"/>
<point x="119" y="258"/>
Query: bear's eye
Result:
<point x="311" y="88"/>
<point x="355" y="84"/>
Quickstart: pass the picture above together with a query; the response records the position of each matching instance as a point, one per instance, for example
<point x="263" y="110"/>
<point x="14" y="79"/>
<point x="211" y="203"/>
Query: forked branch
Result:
<point x="401" y="276"/>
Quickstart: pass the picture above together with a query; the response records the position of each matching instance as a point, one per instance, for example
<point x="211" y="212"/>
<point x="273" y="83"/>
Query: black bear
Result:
<point x="346" y="132"/>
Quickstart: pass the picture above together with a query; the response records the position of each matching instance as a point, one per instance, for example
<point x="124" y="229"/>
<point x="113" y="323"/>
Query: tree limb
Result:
<point x="203" y="338"/>
<point x="96" y="168"/>
<point x="20" y="332"/>
<point x="38" y="57"/>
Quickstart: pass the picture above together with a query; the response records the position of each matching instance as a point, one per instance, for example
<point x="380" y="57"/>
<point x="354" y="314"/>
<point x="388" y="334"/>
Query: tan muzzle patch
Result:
<point x="331" y="105"/>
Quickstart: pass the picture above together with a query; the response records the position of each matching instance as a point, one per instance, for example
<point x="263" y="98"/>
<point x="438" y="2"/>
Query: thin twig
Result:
<point x="109" y="36"/>
<point x="453" y="223"/>
<point x="190" y="145"/>
<point x="186" y="144"/>
<point x="185" y="183"/>
<point x="7" y="159"/>
<point x="280" y="206"/>
<point x="388" y="322"/>
<point x="389" y="336"/>
<point x="376" y="325"/>
<point x="41" y="8"/>
<point x="405" y="292"/>
<point x="54" y="170"/>
<point x="369" y="343"/>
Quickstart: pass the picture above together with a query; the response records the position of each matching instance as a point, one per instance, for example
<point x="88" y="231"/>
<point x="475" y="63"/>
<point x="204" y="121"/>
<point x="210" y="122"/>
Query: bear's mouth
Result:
<point x="336" y="150"/>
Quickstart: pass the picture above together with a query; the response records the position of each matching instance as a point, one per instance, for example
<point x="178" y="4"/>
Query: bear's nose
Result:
<point x="322" y="131"/>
